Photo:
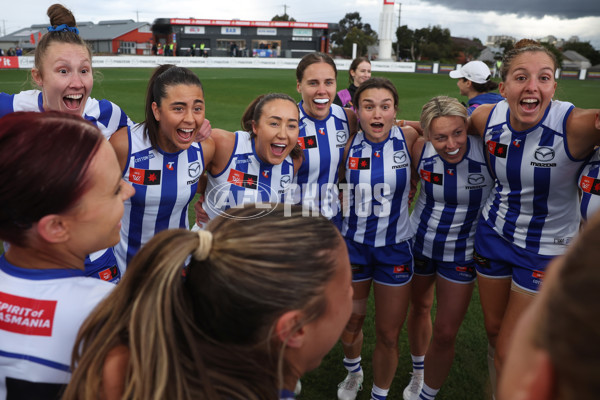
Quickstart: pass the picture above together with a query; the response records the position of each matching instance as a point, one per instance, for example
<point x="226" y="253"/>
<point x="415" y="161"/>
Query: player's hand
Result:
<point x="204" y="131"/>
<point x="201" y="215"/>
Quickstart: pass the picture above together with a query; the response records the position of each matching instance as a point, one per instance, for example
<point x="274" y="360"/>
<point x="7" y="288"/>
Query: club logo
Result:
<point x="307" y="142"/>
<point x="431" y="177"/>
<point x="144" y="176"/>
<point x="590" y="185"/>
<point x="242" y="179"/>
<point x="497" y="149"/>
<point x="359" y="163"/>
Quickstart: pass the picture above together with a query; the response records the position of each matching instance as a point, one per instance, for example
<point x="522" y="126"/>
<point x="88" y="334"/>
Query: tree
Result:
<point x="585" y="49"/>
<point x="352" y="30"/>
<point x="283" y="17"/>
<point x="405" y="42"/>
<point x="555" y="51"/>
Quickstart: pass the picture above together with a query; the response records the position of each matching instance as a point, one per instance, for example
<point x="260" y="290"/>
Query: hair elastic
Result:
<point x="205" y="239"/>
<point x="63" y="28"/>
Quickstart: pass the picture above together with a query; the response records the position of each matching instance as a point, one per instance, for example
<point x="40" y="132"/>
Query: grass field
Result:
<point x="227" y="93"/>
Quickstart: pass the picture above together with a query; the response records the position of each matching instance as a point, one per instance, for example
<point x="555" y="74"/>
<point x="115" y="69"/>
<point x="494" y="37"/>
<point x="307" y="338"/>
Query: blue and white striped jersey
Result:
<point x="535" y="199"/>
<point x="589" y="183"/>
<point x="378" y="184"/>
<point x="450" y="202"/>
<point x="323" y="143"/>
<point x="247" y="179"/>
<point x="164" y="183"/>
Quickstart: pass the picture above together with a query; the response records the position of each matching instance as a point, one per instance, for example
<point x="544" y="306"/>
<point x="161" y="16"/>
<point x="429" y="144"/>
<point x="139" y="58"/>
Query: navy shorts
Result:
<point x="457" y="272"/>
<point x="387" y="265"/>
<point x="495" y="257"/>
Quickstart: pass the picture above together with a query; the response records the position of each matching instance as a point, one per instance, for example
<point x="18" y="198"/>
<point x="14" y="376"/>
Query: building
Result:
<point x="572" y="59"/>
<point x="496" y="40"/>
<point x="112" y="37"/>
<point x="236" y="38"/>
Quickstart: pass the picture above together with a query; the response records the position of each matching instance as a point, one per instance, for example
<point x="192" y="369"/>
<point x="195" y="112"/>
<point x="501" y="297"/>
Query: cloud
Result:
<point x="535" y="8"/>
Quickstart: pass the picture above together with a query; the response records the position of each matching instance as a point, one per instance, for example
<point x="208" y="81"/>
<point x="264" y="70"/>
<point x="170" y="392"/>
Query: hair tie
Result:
<point x="63" y="28"/>
<point x="205" y="239"/>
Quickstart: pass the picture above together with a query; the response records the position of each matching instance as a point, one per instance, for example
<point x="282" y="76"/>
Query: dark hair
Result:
<point x="59" y="15"/>
<point x="254" y="111"/>
<point x="164" y="76"/>
<point x="483" y="87"/>
<point x="355" y="63"/>
<point x="313" y="58"/>
<point x="523" y="46"/>
<point x="375" y="83"/>
<point x="44" y="158"/>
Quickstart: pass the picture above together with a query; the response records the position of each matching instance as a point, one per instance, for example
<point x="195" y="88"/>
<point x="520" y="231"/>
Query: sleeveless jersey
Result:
<point x="107" y="116"/>
<point x="246" y="179"/>
<point x="450" y="202"/>
<point x="534" y="201"/>
<point x="164" y="183"/>
<point x="40" y="313"/>
<point x="589" y="183"/>
<point x="323" y="143"/>
<point x="378" y="179"/>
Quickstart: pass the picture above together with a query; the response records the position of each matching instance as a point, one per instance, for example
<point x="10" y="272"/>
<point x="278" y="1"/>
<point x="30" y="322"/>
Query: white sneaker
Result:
<point x="412" y="391"/>
<point x="350" y="386"/>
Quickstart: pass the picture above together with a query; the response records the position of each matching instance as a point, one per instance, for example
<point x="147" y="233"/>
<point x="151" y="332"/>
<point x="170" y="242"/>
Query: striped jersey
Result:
<point x="164" y="183"/>
<point x="589" y="183"/>
<point x="449" y="204"/>
<point x="322" y="142"/>
<point x="106" y="115"/>
<point x="376" y="196"/>
<point x="41" y="311"/>
<point x="246" y="179"/>
<point x="535" y="199"/>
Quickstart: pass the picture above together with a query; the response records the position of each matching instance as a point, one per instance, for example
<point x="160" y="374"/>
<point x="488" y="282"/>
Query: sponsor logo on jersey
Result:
<point x="590" y="185"/>
<point x="538" y="274"/>
<point x="307" y="142"/>
<point x="265" y="174"/>
<point x="26" y="316"/>
<point x="377" y="153"/>
<point x="170" y="165"/>
<point x="400" y="157"/>
<point x="464" y="268"/>
<point x="517" y="142"/>
<point x="341" y="137"/>
<point x="285" y="181"/>
<point x="475" y="179"/>
<point x="194" y="169"/>
<point x="242" y="179"/>
<point x="496" y="149"/>
<point x="450" y="171"/>
<point x="109" y="274"/>
<point x="431" y="177"/>
<point x="400" y="269"/>
<point x="359" y="163"/>
<point x="144" y="176"/>
<point x="544" y="155"/>
<point x="144" y="158"/>
<point x="321" y="131"/>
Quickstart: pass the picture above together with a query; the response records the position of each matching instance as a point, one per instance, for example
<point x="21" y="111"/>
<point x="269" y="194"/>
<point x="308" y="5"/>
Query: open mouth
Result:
<point x="185" y="134"/>
<point x="453" y="153"/>
<point x="73" y="101"/>
<point x="278" y="148"/>
<point x="377" y="126"/>
<point x="321" y="101"/>
<point x="529" y="104"/>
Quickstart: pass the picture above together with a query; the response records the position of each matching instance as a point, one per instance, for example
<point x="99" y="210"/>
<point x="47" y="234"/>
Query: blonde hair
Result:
<point x="440" y="106"/>
<point x="209" y="335"/>
<point x="524" y="46"/>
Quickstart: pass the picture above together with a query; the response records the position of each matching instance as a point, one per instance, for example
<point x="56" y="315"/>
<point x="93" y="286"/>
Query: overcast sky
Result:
<point x="464" y="18"/>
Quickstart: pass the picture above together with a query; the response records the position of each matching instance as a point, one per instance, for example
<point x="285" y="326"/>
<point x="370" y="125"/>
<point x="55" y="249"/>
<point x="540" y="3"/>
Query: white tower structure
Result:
<point x="386" y="30"/>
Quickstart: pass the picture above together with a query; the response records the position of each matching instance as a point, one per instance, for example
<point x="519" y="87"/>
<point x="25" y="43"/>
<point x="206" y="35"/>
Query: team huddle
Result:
<point x="107" y="292"/>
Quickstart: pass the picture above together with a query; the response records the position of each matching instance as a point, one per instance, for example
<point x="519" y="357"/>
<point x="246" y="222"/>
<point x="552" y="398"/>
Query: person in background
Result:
<point x="359" y="71"/>
<point x="63" y="72"/>
<point x="455" y="184"/>
<point x="554" y="353"/>
<point x="260" y="303"/>
<point x="62" y="198"/>
<point x="474" y="81"/>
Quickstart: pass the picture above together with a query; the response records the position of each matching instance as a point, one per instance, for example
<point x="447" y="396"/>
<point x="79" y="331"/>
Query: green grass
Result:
<point x="227" y="92"/>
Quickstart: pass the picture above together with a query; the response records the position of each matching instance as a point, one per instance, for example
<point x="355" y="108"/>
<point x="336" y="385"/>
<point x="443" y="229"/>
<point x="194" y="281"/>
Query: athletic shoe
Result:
<point x="298" y="388"/>
<point x="412" y="391"/>
<point x="350" y="386"/>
